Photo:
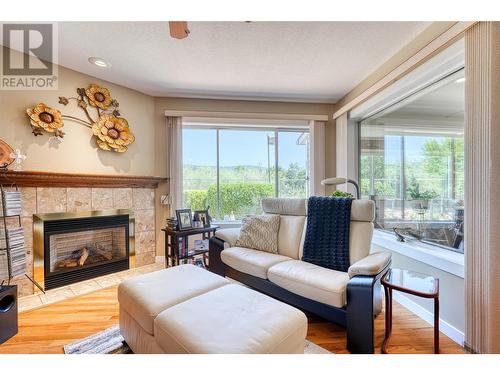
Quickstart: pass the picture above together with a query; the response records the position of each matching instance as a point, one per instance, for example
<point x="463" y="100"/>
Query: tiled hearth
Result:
<point x="59" y="199"/>
<point x="39" y="299"/>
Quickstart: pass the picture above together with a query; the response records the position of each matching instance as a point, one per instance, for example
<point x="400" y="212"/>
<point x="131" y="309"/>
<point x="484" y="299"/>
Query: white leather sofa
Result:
<point x="350" y="299"/>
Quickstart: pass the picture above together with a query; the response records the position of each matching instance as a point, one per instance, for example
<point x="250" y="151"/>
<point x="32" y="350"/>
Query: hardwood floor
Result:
<point x="47" y="329"/>
<point x="410" y="335"/>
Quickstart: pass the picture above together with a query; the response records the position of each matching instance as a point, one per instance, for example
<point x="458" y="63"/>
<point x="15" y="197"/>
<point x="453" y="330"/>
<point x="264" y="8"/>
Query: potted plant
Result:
<point x="419" y="199"/>
<point x="341" y="194"/>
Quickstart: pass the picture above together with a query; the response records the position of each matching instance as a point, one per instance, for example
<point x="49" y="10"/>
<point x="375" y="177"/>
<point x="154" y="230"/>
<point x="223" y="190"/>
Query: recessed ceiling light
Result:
<point x="99" y="62"/>
<point x="460" y="80"/>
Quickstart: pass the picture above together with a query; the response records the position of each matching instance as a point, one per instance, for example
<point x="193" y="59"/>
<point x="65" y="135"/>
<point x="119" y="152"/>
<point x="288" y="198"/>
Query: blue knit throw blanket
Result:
<point x="327" y="233"/>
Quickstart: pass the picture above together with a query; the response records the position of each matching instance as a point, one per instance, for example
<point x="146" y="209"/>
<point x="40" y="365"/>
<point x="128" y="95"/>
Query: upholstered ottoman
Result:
<point x="231" y="319"/>
<point x="143" y="297"/>
<point x="186" y="309"/>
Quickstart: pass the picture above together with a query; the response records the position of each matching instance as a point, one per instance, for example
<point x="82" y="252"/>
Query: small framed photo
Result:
<point x="201" y="244"/>
<point x="203" y="217"/>
<point x="184" y="219"/>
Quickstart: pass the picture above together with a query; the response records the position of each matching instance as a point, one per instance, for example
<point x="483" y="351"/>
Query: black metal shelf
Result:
<point x="9" y="216"/>
<point x="192" y="253"/>
<point x="173" y="237"/>
<point x="4" y="218"/>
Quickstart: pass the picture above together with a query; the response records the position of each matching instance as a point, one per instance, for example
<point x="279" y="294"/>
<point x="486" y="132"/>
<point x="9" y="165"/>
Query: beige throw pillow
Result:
<point x="260" y="233"/>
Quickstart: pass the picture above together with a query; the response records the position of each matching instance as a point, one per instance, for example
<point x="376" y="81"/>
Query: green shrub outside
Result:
<point x="195" y="199"/>
<point x="235" y="198"/>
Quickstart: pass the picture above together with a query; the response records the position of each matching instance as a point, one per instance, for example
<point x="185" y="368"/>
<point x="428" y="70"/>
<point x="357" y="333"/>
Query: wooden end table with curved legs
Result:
<point x="413" y="283"/>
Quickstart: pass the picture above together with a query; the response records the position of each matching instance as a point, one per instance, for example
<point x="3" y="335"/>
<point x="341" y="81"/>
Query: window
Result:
<point x="199" y="157"/>
<point x="246" y="172"/>
<point x="231" y="168"/>
<point x="412" y="164"/>
<point x="293" y="159"/>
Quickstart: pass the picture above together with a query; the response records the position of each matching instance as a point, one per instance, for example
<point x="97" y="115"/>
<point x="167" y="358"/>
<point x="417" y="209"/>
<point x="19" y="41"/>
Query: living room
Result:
<point x="286" y="185"/>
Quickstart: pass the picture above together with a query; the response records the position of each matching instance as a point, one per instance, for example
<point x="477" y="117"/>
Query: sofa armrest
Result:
<point x="371" y="265"/>
<point x="364" y="300"/>
<point x="228" y="235"/>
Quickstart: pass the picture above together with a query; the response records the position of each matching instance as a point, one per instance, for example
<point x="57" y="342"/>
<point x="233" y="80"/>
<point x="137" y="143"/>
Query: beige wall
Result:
<point x="77" y="152"/>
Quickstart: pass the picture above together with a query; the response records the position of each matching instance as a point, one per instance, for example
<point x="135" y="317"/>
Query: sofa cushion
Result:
<point x="231" y="319"/>
<point x="285" y="206"/>
<point x="290" y="235"/>
<point x="310" y="281"/>
<point x="360" y="240"/>
<point x="252" y="262"/>
<point x="145" y="296"/>
<point x="363" y="210"/>
<point x="260" y="233"/>
<point x="228" y="235"/>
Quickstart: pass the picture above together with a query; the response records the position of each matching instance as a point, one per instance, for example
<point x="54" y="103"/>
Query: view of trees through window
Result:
<point x="231" y="170"/>
<point x="412" y="165"/>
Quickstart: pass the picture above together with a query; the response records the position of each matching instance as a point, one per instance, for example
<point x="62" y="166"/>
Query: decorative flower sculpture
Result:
<point x="112" y="133"/>
<point x="44" y="117"/>
<point x="98" y="96"/>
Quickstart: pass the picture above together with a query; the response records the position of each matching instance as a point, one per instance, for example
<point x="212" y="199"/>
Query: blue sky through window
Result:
<point x="240" y="148"/>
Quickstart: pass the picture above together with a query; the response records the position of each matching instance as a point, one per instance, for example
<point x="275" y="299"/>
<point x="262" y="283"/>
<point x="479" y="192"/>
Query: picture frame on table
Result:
<point x="184" y="219"/>
<point x="202" y="216"/>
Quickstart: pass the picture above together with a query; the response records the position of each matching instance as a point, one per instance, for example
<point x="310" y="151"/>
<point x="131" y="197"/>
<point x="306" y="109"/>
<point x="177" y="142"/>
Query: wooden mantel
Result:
<point x="51" y="179"/>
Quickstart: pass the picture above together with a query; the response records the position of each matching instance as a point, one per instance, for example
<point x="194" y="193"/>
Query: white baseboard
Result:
<point x="444" y="327"/>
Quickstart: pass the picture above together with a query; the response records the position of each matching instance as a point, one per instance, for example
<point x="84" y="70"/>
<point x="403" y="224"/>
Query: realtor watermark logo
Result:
<point x="29" y="56"/>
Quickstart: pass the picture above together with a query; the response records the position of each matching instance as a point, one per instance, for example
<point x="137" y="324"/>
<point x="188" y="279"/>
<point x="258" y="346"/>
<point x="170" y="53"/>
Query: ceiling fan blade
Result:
<point x="178" y="29"/>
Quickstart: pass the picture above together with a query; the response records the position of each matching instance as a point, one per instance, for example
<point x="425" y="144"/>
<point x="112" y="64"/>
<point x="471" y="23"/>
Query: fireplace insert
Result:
<point x="72" y="247"/>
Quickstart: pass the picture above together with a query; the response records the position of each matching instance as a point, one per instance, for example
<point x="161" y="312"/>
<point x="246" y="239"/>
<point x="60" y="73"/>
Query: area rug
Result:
<point x="110" y="341"/>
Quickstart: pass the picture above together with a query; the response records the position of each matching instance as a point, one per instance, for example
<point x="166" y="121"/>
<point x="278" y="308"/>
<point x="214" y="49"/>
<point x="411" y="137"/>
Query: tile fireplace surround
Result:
<point x="41" y="200"/>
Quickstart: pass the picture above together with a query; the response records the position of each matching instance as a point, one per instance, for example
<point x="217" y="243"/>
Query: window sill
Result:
<point x="445" y="260"/>
<point x="227" y="224"/>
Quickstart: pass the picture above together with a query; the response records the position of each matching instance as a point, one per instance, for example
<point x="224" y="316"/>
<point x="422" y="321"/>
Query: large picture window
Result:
<point x="412" y="164"/>
<point x="230" y="169"/>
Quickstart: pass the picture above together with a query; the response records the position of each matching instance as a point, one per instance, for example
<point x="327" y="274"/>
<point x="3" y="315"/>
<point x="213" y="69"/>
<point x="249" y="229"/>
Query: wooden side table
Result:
<point x="173" y="237"/>
<point x="413" y="283"/>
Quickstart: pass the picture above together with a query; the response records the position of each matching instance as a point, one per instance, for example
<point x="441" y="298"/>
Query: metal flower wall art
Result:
<point x="110" y="130"/>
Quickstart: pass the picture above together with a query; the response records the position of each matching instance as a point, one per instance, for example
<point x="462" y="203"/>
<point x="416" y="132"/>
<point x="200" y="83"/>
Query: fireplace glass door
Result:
<point x="81" y="246"/>
<point x="86" y="248"/>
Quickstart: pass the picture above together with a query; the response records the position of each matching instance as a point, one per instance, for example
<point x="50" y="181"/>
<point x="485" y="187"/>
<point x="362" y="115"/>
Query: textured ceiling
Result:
<point x="295" y="61"/>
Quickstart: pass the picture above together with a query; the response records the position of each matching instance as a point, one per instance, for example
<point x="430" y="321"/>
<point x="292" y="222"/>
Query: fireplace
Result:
<point x="73" y="247"/>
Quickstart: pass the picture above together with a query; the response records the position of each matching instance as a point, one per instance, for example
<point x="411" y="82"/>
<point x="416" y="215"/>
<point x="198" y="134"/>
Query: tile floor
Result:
<point x="55" y="295"/>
